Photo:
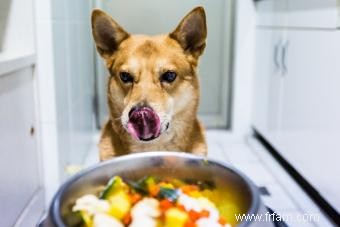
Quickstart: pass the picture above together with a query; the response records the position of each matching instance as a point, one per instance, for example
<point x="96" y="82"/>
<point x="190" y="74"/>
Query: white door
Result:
<point x="162" y="16"/>
<point x="311" y="86"/>
<point x="268" y="81"/>
<point x="308" y="137"/>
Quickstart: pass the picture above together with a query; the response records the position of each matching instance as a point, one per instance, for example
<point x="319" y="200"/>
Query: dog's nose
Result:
<point x="137" y="107"/>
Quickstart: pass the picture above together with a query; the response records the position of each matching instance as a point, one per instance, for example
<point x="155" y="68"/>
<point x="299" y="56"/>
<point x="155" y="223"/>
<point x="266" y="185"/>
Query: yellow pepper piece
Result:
<point x="119" y="205"/>
<point x="175" y="217"/>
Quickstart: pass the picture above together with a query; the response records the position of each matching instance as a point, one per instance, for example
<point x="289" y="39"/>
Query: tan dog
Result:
<point x="153" y="89"/>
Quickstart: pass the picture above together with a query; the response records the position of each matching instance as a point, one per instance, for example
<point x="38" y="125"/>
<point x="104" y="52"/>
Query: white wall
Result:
<point x="74" y="79"/>
<point x="243" y="68"/>
<point x="45" y="90"/>
<point x="65" y="84"/>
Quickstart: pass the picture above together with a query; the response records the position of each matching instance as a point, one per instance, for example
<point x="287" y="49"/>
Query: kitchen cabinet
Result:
<point x="312" y="14"/>
<point x="20" y="180"/>
<point x="298" y="13"/>
<point x="310" y="91"/>
<point x="272" y="13"/>
<point x="268" y="80"/>
<point x="21" y="190"/>
<point x="297" y="88"/>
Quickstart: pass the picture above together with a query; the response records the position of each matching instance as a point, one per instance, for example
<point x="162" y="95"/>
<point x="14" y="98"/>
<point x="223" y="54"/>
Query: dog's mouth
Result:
<point x="144" y="124"/>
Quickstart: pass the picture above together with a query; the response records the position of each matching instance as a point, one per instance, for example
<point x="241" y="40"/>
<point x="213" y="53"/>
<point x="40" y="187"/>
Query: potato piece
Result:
<point x="119" y="205"/>
<point x="104" y="220"/>
<point x="175" y="217"/>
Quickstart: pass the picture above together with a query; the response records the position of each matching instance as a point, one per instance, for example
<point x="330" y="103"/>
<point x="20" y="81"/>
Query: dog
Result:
<point x="153" y="88"/>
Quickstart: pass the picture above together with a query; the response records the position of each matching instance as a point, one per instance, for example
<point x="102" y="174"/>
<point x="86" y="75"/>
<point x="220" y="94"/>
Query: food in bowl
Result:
<point x="151" y="202"/>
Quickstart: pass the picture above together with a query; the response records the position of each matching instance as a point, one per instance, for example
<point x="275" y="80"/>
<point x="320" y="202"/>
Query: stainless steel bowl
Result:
<point x="160" y="164"/>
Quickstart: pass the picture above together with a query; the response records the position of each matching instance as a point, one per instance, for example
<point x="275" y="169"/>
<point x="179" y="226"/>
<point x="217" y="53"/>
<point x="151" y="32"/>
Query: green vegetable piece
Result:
<point x="142" y="186"/>
<point x="86" y="218"/>
<point x="74" y="219"/>
<point x="150" y="181"/>
<point x="168" y="193"/>
<point x="139" y="187"/>
<point x="114" y="185"/>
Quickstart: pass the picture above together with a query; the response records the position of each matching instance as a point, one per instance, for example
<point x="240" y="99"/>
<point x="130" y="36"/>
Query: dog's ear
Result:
<point x="191" y="33"/>
<point x="106" y="33"/>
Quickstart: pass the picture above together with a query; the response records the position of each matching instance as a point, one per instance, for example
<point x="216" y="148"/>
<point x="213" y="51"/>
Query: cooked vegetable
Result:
<point x="119" y="204"/>
<point x="175" y="217"/>
<point x="139" y="186"/>
<point x="150" y="202"/>
<point x="168" y="193"/>
<point x="114" y="185"/>
<point x="86" y="218"/>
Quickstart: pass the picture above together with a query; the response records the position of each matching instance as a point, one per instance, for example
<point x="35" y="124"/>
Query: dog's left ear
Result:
<point x="191" y="33"/>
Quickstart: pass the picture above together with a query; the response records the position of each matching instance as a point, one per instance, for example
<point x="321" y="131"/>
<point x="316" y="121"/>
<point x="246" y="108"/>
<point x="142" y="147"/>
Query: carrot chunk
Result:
<point x="189" y="223"/>
<point x="194" y="215"/>
<point x="222" y="221"/>
<point x="134" y="198"/>
<point x="165" y="204"/>
<point x="154" y="190"/>
<point x="204" y="214"/>
<point x="127" y="219"/>
<point x="189" y="188"/>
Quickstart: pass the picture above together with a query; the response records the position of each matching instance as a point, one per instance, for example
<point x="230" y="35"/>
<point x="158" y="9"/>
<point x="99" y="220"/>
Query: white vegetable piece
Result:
<point x="91" y="204"/>
<point x="104" y="220"/>
<point x="145" y="213"/>
<point x="199" y="204"/>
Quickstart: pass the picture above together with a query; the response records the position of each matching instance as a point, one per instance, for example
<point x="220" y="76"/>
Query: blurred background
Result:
<point x="270" y="91"/>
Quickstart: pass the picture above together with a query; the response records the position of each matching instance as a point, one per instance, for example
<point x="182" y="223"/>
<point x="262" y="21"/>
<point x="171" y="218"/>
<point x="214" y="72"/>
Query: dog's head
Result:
<point x="152" y="78"/>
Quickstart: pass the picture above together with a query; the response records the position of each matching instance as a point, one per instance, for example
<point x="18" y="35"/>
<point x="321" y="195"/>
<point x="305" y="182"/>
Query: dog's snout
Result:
<point x="132" y="110"/>
<point x="138" y="107"/>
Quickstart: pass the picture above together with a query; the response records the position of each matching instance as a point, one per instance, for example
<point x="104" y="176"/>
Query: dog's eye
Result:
<point x="126" y="77"/>
<point x="168" y="76"/>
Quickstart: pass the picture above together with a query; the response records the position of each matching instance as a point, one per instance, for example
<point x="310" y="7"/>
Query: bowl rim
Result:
<point x="54" y="208"/>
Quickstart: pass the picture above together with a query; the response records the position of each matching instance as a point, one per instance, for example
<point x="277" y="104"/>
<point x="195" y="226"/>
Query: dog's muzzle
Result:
<point x="144" y="123"/>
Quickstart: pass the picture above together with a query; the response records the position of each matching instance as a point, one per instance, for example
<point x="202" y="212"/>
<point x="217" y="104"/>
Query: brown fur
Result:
<point x="146" y="58"/>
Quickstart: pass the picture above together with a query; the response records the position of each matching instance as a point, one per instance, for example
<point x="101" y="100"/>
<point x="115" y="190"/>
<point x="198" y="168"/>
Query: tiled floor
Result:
<point x="249" y="156"/>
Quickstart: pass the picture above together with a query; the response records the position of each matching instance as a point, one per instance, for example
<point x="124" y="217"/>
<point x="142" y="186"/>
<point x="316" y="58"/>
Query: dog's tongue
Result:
<point x="144" y="124"/>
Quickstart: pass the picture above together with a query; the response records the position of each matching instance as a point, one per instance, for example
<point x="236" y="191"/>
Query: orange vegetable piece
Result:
<point x="181" y="207"/>
<point x="134" y="198"/>
<point x="204" y="214"/>
<point x="194" y="215"/>
<point x="189" y="188"/>
<point x="154" y="190"/>
<point x="127" y="219"/>
<point x="189" y="223"/>
<point x="222" y="221"/>
<point x="165" y="204"/>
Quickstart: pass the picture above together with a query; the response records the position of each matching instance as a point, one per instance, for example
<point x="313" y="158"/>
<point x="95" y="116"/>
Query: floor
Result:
<point x="281" y="193"/>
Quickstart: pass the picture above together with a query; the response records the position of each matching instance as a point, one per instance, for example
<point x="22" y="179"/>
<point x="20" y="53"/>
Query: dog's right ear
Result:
<point x="107" y="33"/>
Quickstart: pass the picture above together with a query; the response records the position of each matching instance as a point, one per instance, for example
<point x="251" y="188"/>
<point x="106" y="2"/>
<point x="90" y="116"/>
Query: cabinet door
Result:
<point x="308" y="137"/>
<point x="313" y="13"/>
<point x="268" y="80"/>
<point x="271" y="12"/>
<point x="311" y="91"/>
<point x="19" y="166"/>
